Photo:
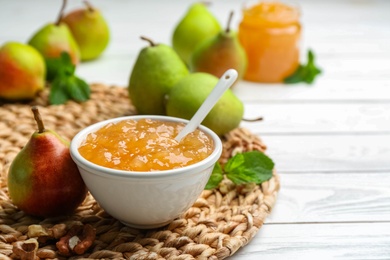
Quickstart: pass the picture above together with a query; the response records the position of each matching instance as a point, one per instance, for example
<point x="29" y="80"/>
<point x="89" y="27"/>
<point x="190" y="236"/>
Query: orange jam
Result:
<point x="270" y="33"/>
<point x="145" y="145"/>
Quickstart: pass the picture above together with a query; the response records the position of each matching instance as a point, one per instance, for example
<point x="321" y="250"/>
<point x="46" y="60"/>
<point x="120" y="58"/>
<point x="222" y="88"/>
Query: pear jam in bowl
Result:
<point x="145" y="145"/>
<point x="139" y="173"/>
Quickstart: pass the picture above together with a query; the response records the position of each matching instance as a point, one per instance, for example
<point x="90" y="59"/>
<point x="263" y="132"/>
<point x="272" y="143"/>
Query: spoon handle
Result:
<point x="227" y="79"/>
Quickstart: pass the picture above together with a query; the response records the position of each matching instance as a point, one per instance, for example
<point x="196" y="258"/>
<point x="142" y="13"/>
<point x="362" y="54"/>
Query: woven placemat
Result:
<point x="219" y="223"/>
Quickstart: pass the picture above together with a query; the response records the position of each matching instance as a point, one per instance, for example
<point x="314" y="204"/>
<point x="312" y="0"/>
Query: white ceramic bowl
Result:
<point x="145" y="199"/>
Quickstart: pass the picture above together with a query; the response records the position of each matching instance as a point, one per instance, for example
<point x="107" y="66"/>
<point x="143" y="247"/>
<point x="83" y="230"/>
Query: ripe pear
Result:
<point x="220" y="53"/>
<point x="197" y="25"/>
<point x="189" y="93"/>
<point x="22" y="71"/>
<point x="156" y="70"/>
<point x="89" y="29"/>
<point x="52" y="40"/>
<point x="43" y="180"/>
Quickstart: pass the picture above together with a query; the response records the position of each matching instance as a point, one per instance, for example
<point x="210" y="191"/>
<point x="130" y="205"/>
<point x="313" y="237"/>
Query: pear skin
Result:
<point x="220" y="53"/>
<point x="89" y="29"/>
<point x="43" y="180"/>
<point x="156" y="70"/>
<point x="54" y="39"/>
<point x="189" y="93"/>
<point x="22" y="71"/>
<point x="51" y="41"/>
<point x="197" y="25"/>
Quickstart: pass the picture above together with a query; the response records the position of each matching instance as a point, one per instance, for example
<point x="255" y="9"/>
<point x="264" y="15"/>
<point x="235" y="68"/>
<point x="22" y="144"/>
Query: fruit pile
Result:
<point x="160" y="84"/>
<point x="51" y="56"/>
<point x="175" y="80"/>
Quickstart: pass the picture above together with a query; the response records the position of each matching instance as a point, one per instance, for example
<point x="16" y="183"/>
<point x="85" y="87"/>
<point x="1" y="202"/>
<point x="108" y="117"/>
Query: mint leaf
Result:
<point x="304" y="73"/>
<point x="58" y="94"/>
<point x="215" y="178"/>
<point x="65" y="84"/>
<point x="249" y="167"/>
<point x="61" y="65"/>
<point x="77" y="89"/>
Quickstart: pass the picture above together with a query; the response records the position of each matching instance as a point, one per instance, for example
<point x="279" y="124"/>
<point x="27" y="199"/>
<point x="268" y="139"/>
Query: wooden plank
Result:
<point x="319" y="241"/>
<point x="317" y="118"/>
<point x="352" y="68"/>
<point x="324" y="88"/>
<point x="325" y="153"/>
<point x="113" y="69"/>
<point x="332" y="197"/>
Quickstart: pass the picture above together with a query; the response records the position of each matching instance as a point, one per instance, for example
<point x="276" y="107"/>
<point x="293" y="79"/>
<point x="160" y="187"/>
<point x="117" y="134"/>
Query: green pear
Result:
<point x="52" y="40"/>
<point x="22" y="71"/>
<point x="197" y="25"/>
<point x="89" y="29"/>
<point x="43" y="180"/>
<point x="220" y="53"/>
<point x="156" y="70"/>
<point x="189" y="93"/>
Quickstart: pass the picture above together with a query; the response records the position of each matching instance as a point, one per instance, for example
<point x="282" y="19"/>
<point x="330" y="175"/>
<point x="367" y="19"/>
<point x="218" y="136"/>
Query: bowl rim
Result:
<point x="101" y="170"/>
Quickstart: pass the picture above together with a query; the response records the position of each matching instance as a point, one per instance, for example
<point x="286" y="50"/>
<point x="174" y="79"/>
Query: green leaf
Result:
<point x="77" y="89"/>
<point x="58" y="94"/>
<point x="304" y="73"/>
<point x="59" y="66"/>
<point x="65" y="84"/>
<point x="215" y="178"/>
<point x="249" y="167"/>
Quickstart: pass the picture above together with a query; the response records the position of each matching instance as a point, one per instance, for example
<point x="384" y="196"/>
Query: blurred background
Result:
<point x="347" y="36"/>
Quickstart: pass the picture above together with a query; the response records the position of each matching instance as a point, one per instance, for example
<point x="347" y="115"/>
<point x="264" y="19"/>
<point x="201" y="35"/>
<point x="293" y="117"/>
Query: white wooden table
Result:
<point x="330" y="141"/>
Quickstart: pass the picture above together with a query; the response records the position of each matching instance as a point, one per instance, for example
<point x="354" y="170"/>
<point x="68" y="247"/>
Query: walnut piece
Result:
<point x="44" y="234"/>
<point x="26" y="250"/>
<point x="77" y="241"/>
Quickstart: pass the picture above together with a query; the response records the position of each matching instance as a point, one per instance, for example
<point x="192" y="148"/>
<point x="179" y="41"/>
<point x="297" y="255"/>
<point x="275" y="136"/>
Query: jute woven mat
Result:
<point x="219" y="223"/>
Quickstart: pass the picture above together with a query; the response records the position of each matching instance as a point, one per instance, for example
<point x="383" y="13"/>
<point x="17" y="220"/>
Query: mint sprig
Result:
<point x="66" y="85"/>
<point x="247" y="167"/>
<point x="304" y="73"/>
<point x="215" y="178"/>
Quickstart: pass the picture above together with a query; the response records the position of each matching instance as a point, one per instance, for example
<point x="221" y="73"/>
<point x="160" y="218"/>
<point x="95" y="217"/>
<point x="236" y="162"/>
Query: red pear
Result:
<point x="217" y="54"/>
<point x="43" y="180"/>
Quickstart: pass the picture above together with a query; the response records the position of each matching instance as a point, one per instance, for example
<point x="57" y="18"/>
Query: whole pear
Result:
<point x="43" y="180"/>
<point x="189" y="93"/>
<point x="52" y="40"/>
<point x="197" y="25"/>
<point x="89" y="29"/>
<point x="220" y="53"/>
<point x="156" y="70"/>
<point x="22" y="71"/>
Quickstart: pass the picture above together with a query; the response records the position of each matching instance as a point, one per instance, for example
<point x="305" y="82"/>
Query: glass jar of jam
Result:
<point x="270" y="33"/>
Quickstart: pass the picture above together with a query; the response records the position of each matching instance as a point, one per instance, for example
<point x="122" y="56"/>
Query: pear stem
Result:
<point x="253" y="119"/>
<point x="89" y="6"/>
<point x="64" y="2"/>
<point x="206" y="3"/>
<point x="229" y="22"/>
<point x="38" y="119"/>
<point x="152" y="44"/>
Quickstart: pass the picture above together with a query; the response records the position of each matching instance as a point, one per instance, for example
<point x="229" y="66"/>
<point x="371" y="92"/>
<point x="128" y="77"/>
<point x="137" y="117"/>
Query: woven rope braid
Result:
<point x="219" y="223"/>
